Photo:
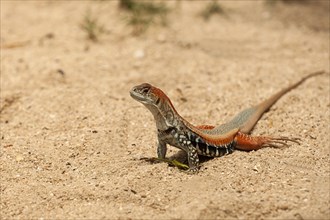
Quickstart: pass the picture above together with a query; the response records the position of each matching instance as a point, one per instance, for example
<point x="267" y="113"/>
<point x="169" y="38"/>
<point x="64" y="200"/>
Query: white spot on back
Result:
<point x="217" y="152"/>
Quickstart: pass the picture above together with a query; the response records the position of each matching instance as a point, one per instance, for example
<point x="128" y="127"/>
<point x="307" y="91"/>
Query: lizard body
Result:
<point x="207" y="140"/>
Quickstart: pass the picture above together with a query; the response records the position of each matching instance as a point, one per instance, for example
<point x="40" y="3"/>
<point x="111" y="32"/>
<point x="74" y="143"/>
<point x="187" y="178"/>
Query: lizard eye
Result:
<point x="145" y="90"/>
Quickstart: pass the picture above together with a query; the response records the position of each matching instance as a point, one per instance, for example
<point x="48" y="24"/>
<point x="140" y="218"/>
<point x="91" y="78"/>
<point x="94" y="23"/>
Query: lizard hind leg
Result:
<point x="247" y="142"/>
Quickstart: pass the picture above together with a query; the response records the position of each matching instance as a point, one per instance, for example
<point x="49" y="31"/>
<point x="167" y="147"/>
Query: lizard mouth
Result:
<point x="141" y="93"/>
<point x="137" y="96"/>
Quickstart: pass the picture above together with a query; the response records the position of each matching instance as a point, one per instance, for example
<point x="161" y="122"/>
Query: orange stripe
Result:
<point x="216" y="140"/>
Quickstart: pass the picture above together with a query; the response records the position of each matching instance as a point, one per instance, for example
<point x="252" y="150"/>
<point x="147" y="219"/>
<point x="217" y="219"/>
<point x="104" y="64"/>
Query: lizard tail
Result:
<point x="265" y="105"/>
<point x="257" y="111"/>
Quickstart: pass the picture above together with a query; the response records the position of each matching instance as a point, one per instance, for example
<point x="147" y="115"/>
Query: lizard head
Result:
<point x="147" y="94"/>
<point x="157" y="102"/>
<point x="142" y="93"/>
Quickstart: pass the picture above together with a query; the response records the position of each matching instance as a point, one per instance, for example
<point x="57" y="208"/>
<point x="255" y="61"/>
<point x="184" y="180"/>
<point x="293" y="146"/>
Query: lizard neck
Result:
<point x="164" y="113"/>
<point x="167" y="117"/>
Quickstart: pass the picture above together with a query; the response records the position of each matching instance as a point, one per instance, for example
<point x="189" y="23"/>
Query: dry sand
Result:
<point x="72" y="138"/>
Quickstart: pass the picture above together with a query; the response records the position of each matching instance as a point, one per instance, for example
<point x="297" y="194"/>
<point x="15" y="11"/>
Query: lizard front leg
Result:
<point x="161" y="153"/>
<point x="161" y="149"/>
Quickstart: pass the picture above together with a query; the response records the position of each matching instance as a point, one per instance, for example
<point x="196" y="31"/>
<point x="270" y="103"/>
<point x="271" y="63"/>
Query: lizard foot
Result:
<point x="247" y="142"/>
<point x="279" y="142"/>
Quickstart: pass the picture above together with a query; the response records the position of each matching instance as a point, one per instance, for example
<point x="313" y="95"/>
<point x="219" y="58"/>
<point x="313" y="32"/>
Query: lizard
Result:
<point x="208" y="140"/>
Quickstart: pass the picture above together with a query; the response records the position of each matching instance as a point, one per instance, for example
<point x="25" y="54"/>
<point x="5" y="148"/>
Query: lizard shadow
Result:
<point x="181" y="156"/>
<point x="178" y="159"/>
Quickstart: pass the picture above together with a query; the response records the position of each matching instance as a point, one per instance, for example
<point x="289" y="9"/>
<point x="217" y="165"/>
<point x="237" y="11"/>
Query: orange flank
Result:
<point x="206" y="127"/>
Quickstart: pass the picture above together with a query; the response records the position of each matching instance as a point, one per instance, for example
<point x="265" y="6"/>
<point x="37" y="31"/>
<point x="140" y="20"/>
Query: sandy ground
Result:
<point x="72" y="138"/>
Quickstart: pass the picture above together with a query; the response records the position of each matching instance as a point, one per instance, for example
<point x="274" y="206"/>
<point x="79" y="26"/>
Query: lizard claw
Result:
<point x="247" y="142"/>
<point x="280" y="142"/>
<point x="150" y="159"/>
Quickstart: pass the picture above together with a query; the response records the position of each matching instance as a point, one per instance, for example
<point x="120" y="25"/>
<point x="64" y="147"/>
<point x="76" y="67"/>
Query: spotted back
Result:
<point x="210" y="150"/>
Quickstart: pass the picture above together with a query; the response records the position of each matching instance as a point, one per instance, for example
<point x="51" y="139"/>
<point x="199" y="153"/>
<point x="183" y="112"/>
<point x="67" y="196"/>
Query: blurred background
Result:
<point x="71" y="137"/>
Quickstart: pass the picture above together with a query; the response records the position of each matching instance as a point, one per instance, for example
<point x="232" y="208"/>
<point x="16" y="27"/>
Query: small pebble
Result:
<point x="139" y="54"/>
<point x="19" y="158"/>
